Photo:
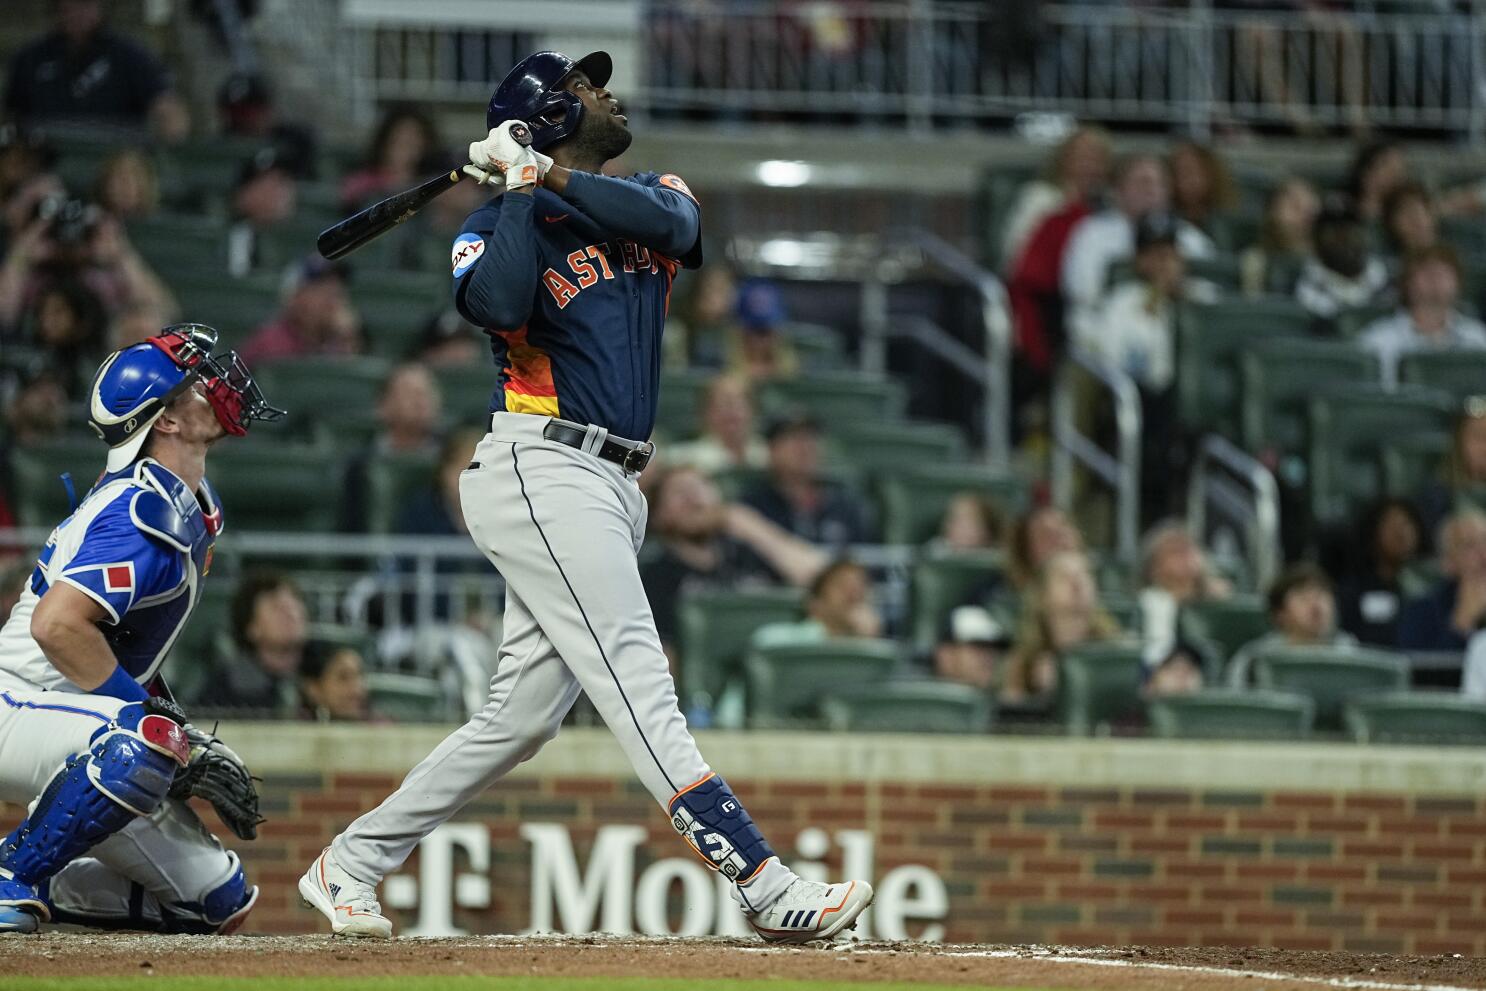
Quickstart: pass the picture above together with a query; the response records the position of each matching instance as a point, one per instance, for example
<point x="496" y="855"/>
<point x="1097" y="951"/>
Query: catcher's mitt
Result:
<point x="219" y="776"/>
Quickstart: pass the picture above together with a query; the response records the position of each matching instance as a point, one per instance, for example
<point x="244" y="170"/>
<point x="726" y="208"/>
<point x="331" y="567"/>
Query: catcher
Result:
<point x="111" y="842"/>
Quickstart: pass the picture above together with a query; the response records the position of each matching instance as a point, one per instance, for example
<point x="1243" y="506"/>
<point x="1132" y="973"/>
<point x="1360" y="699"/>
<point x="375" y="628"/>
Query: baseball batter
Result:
<point x="569" y="272"/>
<point x="113" y="587"/>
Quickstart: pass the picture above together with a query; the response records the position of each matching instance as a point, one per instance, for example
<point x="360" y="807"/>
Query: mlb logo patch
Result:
<point x="118" y="577"/>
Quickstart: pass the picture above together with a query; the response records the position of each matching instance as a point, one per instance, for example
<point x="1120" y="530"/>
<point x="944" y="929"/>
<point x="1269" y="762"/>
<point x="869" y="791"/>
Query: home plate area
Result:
<point x="117" y="960"/>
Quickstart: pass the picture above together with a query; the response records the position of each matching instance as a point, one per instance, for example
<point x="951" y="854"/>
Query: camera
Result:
<point x="70" y="222"/>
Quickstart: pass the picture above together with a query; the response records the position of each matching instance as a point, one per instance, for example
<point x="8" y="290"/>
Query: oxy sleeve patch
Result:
<point x="467" y="250"/>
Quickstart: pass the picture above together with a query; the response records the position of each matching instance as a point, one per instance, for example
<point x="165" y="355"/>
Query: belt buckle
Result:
<point x="636" y="458"/>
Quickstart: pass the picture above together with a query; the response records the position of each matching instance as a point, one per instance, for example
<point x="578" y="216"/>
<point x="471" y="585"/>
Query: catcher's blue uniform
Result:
<point x="585" y="345"/>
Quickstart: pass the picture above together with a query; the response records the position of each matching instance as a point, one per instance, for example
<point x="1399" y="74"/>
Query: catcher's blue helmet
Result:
<point x="530" y="93"/>
<point x="133" y="387"/>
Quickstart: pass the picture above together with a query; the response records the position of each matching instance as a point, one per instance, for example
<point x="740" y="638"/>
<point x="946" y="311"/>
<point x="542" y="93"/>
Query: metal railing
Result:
<point x="877" y="264"/>
<point x="1229" y="485"/>
<point x="926" y="64"/>
<point x="1118" y="471"/>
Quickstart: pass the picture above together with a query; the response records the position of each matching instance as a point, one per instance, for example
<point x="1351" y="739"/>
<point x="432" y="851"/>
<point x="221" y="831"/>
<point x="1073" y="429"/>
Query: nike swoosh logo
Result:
<point x="557" y="219"/>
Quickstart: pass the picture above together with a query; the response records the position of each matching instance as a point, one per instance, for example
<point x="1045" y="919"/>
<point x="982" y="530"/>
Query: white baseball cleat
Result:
<point x="350" y="904"/>
<point x="811" y="910"/>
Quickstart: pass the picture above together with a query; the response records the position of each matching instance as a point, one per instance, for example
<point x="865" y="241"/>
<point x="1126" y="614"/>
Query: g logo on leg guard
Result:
<point x="713" y="822"/>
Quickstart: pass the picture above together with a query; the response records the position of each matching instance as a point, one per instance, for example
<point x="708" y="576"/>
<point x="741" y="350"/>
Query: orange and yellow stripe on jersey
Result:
<point x="528" y="371"/>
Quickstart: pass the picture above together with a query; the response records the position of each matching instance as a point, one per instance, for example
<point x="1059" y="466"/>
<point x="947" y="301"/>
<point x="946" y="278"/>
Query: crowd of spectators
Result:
<point x="1100" y="253"/>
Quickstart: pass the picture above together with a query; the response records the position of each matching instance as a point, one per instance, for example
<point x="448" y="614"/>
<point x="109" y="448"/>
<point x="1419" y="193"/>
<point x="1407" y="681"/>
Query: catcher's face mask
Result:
<point x="230" y="388"/>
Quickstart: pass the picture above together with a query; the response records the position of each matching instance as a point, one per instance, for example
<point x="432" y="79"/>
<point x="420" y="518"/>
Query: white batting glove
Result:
<point x="507" y="149"/>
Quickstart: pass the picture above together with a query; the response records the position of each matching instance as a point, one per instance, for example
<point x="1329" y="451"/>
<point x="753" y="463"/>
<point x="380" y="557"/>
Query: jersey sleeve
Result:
<point x="656" y="210"/>
<point x="496" y="265"/>
<point x="118" y="565"/>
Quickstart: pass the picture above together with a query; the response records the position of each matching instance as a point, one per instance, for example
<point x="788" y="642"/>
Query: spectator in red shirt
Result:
<point x="317" y="317"/>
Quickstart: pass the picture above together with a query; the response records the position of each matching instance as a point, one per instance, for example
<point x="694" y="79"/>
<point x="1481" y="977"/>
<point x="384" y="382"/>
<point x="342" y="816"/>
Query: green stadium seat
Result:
<point x="819" y="347"/>
<point x="878" y="446"/>
<point x="179" y="247"/>
<point x="39" y="497"/>
<point x="1217" y="714"/>
<point x="786" y="683"/>
<point x="1458" y="373"/>
<point x="679" y="414"/>
<point x="321" y="392"/>
<point x="394" y="306"/>
<point x="1210" y="340"/>
<point x="943" y="580"/>
<point x="836" y="397"/>
<point x="715" y="630"/>
<point x="466" y="390"/>
<point x="209" y="166"/>
<point x="206" y="636"/>
<point x="918" y="706"/>
<point x="277" y="487"/>
<point x="1098" y="684"/>
<point x="1349" y="323"/>
<point x="408" y="698"/>
<point x="914" y="497"/>
<point x="392" y="480"/>
<point x="235" y="307"/>
<point x="1331" y="676"/>
<point x="1280" y="376"/>
<point x="1411" y="462"/>
<point x="1227" y="624"/>
<point x="1349" y="428"/>
<point x="1417" y="717"/>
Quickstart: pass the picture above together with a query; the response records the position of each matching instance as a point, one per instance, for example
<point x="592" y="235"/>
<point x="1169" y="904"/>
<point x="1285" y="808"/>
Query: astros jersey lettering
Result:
<point x="586" y="345"/>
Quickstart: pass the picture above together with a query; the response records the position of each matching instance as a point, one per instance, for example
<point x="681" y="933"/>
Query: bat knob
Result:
<point x="521" y="134"/>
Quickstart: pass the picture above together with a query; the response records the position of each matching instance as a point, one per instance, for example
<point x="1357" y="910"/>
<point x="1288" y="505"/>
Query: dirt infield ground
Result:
<point x="589" y="961"/>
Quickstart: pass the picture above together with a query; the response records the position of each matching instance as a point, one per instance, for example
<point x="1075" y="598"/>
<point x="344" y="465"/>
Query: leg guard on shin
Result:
<point x="220" y="910"/>
<point x="714" y="823"/>
<point x="125" y="773"/>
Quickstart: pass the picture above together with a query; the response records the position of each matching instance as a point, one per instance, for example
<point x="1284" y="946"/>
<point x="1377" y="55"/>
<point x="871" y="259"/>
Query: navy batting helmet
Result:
<point x="529" y="93"/>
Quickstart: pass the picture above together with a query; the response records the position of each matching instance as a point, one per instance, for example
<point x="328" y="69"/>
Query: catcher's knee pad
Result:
<point x="220" y="909"/>
<point x="125" y="773"/>
<point x="714" y="823"/>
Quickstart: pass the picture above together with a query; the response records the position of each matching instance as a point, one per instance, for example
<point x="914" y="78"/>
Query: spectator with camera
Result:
<point x="71" y="240"/>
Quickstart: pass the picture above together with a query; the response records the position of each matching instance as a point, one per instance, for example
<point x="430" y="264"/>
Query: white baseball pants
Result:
<point x="165" y="857"/>
<point x="563" y="528"/>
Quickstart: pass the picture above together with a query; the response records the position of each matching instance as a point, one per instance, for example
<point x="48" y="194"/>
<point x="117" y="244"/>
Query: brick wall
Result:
<point x="1312" y="870"/>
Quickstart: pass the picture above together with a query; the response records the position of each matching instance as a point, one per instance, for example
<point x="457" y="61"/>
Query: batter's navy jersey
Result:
<point x="137" y="546"/>
<point x="573" y="290"/>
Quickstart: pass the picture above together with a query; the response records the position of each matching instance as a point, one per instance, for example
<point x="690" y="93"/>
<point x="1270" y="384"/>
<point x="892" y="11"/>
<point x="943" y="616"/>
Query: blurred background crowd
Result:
<point x="836" y="537"/>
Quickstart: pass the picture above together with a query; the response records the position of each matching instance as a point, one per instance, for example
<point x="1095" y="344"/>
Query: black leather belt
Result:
<point x="631" y="455"/>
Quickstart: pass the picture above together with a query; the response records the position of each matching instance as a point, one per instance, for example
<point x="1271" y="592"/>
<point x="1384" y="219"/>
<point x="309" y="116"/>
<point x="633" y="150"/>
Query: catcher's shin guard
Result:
<point x="714" y="824"/>
<point x="125" y="773"/>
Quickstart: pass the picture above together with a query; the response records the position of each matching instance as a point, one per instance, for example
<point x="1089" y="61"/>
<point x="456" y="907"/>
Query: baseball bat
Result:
<point x="341" y="239"/>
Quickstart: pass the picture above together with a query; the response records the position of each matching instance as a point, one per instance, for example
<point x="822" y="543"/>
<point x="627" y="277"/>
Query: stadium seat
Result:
<point x="679" y="414"/>
<point x="1098" y="684"/>
<point x="835" y="398"/>
<point x="335" y="393"/>
<point x="206" y="635"/>
<point x="391" y="481"/>
<point x="466" y="390"/>
<point x="1458" y="373"/>
<point x="235" y="307"/>
<point x="786" y="683"/>
<point x="1217" y="714"/>
<point x="394" y="307"/>
<point x="878" y="446"/>
<point x="1349" y="323"/>
<point x="1280" y="376"/>
<point x="941" y="581"/>
<point x="278" y="487"/>
<point x="914" y="498"/>
<point x="40" y="499"/>
<point x="1331" y="676"/>
<point x="1417" y="717"/>
<point x="178" y="247"/>
<point x="1225" y="624"/>
<point x="715" y="629"/>
<point x="917" y="706"/>
<point x="1210" y="340"/>
<point x="407" y="698"/>
<point x="819" y="347"/>
<point x="1413" y="461"/>
<point x="1349" y="428"/>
